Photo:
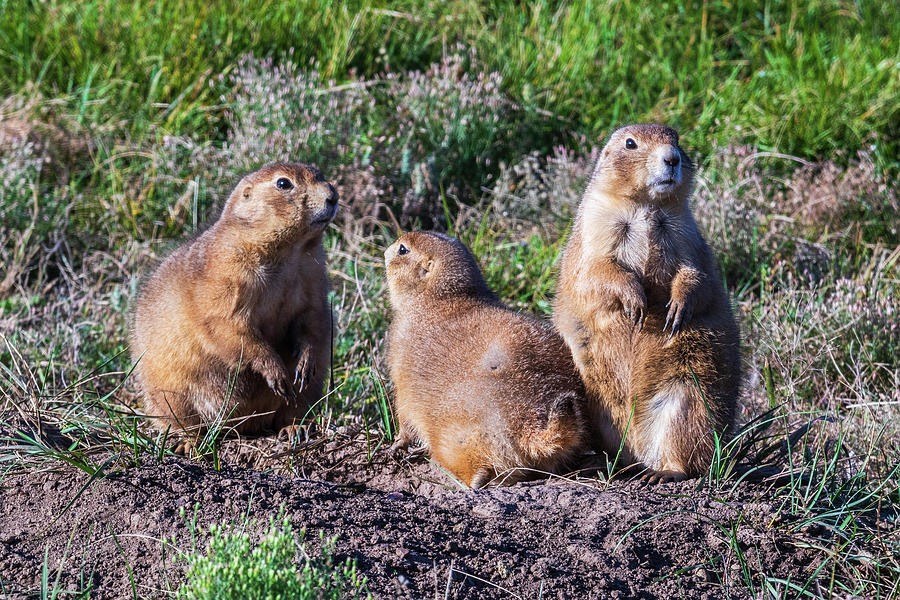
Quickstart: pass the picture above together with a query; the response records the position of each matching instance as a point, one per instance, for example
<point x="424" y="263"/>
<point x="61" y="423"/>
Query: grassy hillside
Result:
<point x="803" y="78"/>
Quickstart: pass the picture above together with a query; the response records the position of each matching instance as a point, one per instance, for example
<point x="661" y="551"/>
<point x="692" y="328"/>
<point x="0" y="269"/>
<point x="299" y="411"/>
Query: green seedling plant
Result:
<point x="385" y="410"/>
<point x="235" y="565"/>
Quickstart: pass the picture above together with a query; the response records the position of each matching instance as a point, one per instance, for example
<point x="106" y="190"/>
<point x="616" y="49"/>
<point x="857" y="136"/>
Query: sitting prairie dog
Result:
<point x="234" y="325"/>
<point x="485" y="389"/>
<point x="641" y="304"/>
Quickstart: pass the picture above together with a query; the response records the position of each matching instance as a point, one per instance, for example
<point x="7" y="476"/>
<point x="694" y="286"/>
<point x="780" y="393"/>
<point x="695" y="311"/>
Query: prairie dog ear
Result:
<point x="244" y="207"/>
<point x="426" y="268"/>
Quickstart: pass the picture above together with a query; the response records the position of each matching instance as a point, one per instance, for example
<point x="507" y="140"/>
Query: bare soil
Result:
<point x="411" y="529"/>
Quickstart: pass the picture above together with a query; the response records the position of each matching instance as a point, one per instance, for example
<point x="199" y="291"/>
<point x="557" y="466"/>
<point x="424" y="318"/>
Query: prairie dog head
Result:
<point x="283" y="200"/>
<point x="643" y="164"/>
<point x="432" y="264"/>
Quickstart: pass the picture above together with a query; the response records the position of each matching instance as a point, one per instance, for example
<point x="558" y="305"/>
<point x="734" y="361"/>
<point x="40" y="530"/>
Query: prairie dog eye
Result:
<point x="402" y="250"/>
<point x="630" y="144"/>
<point x="284" y="183"/>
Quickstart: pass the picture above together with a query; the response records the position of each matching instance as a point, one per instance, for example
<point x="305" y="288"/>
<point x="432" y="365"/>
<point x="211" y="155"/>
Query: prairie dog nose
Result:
<point x="672" y="157"/>
<point x="332" y="198"/>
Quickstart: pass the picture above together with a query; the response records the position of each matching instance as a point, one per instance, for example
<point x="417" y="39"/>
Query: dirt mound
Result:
<point x="411" y="530"/>
<point x="346" y="456"/>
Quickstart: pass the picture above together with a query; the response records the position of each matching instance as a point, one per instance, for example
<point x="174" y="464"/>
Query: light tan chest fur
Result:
<point x="277" y="293"/>
<point x="648" y="241"/>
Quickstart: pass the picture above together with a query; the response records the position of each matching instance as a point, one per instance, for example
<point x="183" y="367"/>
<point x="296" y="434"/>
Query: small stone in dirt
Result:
<point x="704" y="574"/>
<point x="394" y="496"/>
<point x="565" y="498"/>
<point x="491" y="509"/>
<point x="540" y="568"/>
<point x="501" y="570"/>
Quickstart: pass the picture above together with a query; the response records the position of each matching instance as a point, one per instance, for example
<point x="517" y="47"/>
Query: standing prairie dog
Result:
<point x="641" y="305"/>
<point x="234" y="325"/>
<point x="485" y="389"/>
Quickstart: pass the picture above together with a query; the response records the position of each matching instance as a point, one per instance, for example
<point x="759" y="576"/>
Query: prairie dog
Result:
<point x="485" y="389"/>
<point x="641" y="304"/>
<point x="234" y="325"/>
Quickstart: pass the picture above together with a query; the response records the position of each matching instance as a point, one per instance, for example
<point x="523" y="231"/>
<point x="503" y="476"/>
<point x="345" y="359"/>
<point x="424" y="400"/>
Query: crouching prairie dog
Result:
<point x="234" y="326"/>
<point x="641" y="304"/>
<point x="486" y="390"/>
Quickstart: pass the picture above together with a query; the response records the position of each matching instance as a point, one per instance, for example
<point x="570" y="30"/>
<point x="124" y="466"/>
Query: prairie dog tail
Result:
<point x="676" y="431"/>
<point x="563" y="433"/>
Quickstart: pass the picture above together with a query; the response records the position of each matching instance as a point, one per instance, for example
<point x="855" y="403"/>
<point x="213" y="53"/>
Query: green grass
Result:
<point x="806" y="78"/>
<point x="236" y="565"/>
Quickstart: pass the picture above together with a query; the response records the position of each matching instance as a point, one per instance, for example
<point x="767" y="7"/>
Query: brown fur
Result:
<point x="486" y="389"/>
<point x="235" y="323"/>
<point x="635" y="261"/>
